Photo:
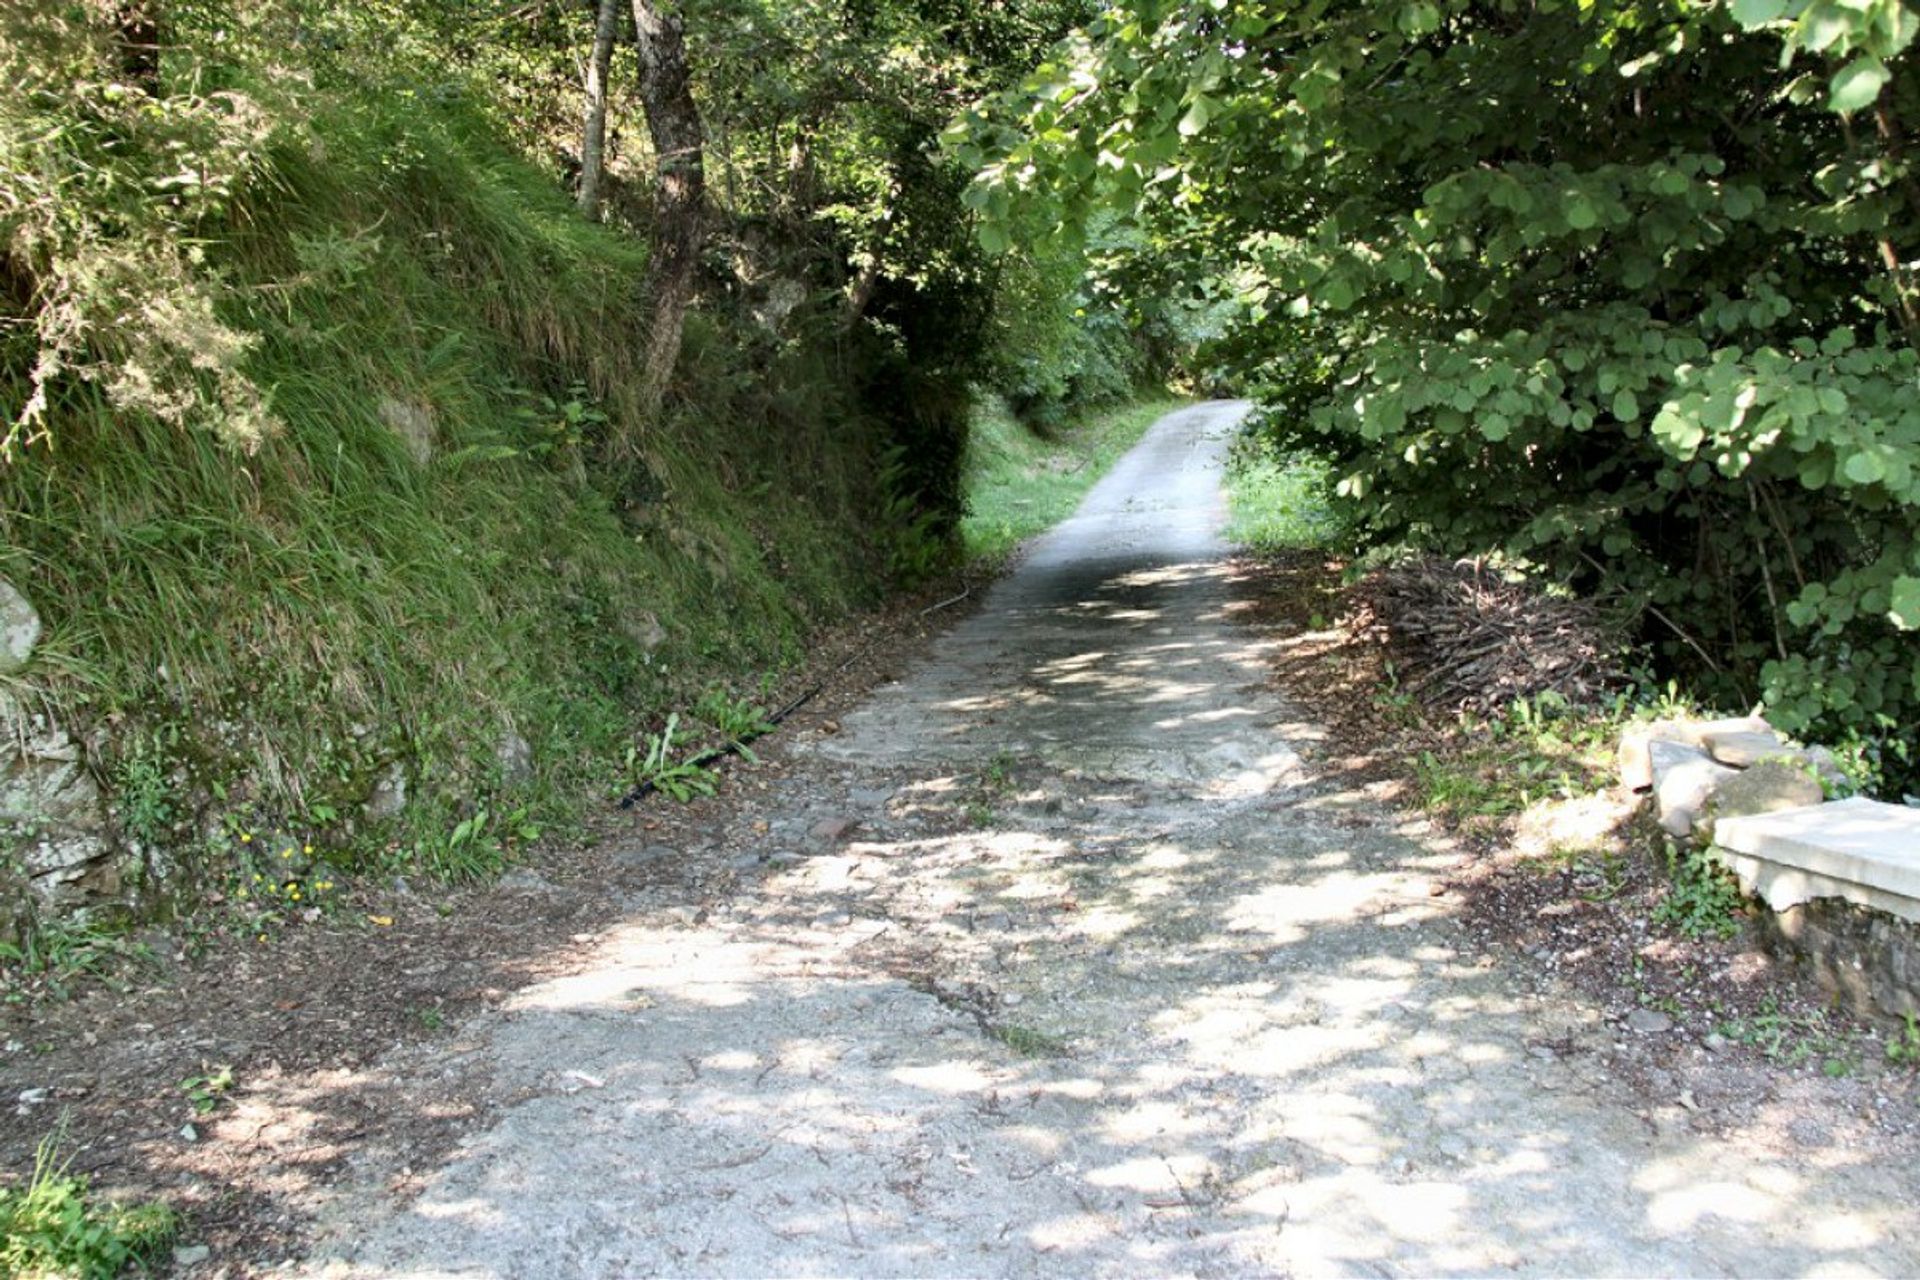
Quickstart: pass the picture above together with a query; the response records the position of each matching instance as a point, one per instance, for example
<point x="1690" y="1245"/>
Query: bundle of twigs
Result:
<point x="1466" y="637"/>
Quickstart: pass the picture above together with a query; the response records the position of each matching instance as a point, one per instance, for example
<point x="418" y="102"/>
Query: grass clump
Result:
<point x="1029" y="1042"/>
<point x="1020" y="483"/>
<point x="53" y="1228"/>
<point x="1540" y="748"/>
<point x="1279" y="501"/>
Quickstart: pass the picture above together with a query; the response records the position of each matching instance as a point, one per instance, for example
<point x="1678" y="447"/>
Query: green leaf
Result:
<point x="993" y="238"/>
<point x="1822" y="25"/>
<point x="1754" y="13"/>
<point x="1905" y="605"/>
<point x="1196" y="118"/>
<point x="1858" y="84"/>
<point x="1864" y="468"/>
<point x="1626" y="406"/>
<point x="1582" y="213"/>
<point x="1419" y="18"/>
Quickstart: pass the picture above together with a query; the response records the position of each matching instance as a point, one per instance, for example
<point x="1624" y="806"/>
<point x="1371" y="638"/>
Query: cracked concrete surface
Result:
<point x="1104" y="981"/>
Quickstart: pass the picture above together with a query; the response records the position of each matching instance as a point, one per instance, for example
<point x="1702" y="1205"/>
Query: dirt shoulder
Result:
<point x="1718" y="1036"/>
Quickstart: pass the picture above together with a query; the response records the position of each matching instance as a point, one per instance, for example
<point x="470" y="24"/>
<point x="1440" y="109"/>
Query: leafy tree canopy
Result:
<point x="1621" y="288"/>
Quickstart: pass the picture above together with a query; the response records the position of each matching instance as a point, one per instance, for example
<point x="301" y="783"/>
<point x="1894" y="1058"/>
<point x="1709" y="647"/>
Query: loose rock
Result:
<point x="1743" y="748"/>
<point x="1765" y="788"/>
<point x="19" y="628"/>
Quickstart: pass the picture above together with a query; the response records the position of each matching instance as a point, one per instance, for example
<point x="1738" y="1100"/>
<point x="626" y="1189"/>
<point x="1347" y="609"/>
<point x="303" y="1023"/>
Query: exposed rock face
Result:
<point x="389" y="797"/>
<point x="515" y="755"/>
<point x="643" y="628"/>
<point x="52" y="818"/>
<point x="19" y="627"/>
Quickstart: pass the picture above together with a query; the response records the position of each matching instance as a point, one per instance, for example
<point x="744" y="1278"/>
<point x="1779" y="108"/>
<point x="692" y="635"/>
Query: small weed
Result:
<point x="144" y="789"/>
<point x="1599" y="876"/>
<point x="1903" y="1049"/>
<point x="991" y="785"/>
<point x="430" y="1019"/>
<point x="206" y="1091"/>
<point x="655" y="766"/>
<point x="555" y="424"/>
<point x="1464" y="785"/>
<point x="737" y="720"/>
<point x="276" y="876"/>
<point x="1394" y="703"/>
<point x="1792" y="1038"/>
<point x="60" y="950"/>
<point x="52" y="1228"/>
<point x="1029" y="1042"/>
<point x="478" y="846"/>
<point x="1704" y="900"/>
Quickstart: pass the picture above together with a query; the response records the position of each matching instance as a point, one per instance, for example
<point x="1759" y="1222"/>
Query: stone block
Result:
<point x="1684" y="780"/>
<point x="1768" y="787"/>
<point x="1743" y="748"/>
<point x="1636" y="764"/>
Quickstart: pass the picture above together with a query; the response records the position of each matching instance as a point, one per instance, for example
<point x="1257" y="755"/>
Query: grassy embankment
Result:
<point x="481" y="615"/>
<point x="1020" y="483"/>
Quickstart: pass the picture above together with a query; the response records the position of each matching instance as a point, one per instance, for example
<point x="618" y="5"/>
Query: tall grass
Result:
<point x="283" y="627"/>
<point x="1279" y="501"/>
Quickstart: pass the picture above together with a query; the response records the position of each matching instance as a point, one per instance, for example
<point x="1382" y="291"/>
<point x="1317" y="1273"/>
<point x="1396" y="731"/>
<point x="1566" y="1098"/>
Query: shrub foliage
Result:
<point x="1621" y="288"/>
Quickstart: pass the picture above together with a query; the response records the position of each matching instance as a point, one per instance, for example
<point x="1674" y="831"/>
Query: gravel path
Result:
<point x="1057" y="960"/>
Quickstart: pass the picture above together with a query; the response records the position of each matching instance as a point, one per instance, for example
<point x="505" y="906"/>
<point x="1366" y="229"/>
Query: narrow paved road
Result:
<point x="1103" y="981"/>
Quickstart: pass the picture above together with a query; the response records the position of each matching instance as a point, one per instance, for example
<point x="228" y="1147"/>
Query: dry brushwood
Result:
<point x="1466" y="638"/>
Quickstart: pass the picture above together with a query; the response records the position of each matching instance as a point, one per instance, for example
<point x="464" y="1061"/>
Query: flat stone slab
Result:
<point x="1743" y="748"/>
<point x="1635" y="755"/>
<point x="1861" y="850"/>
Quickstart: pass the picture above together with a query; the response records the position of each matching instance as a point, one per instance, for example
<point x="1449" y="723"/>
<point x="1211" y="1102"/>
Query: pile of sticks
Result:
<point x="1466" y="638"/>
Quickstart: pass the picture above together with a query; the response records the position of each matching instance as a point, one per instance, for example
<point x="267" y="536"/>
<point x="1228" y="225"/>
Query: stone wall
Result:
<point x="56" y="850"/>
<point x="1836" y="885"/>
<point x="1869" y="959"/>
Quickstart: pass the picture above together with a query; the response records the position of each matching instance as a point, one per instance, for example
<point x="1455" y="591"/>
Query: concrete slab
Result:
<point x="1860" y="850"/>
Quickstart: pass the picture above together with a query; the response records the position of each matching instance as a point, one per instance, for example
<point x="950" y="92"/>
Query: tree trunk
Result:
<point x="593" y="145"/>
<point x="673" y="120"/>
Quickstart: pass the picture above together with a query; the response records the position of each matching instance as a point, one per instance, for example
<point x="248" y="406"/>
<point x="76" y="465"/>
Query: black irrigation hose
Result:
<point x="712" y="754"/>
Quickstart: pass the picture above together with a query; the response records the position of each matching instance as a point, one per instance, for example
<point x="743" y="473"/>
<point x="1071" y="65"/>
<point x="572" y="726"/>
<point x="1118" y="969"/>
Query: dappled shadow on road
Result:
<point x="1123" y="666"/>
<point x="1209" y="1046"/>
<point x="1111" y="983"/>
